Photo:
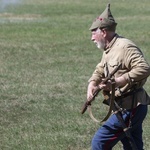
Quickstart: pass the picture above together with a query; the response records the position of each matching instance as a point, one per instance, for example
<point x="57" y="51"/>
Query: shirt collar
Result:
<point x="109" y="46"/>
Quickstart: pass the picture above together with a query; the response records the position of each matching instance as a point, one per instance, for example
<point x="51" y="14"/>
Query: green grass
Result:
<point x="46" y="59"/>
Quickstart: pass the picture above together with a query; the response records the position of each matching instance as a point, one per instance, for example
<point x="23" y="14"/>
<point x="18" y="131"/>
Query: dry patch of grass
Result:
<point x="23" y="17"/>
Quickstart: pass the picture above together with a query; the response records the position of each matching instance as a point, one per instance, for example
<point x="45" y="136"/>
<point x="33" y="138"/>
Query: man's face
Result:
<point x="98" y="38"/>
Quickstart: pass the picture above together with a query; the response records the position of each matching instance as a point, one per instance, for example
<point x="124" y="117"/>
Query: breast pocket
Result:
<point x="110" y="66"/>
<point x="113" y="64"/>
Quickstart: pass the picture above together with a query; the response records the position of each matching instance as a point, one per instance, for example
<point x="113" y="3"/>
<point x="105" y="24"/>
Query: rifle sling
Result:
<point x="112" y="98"/>
<point x="117" y="111"/>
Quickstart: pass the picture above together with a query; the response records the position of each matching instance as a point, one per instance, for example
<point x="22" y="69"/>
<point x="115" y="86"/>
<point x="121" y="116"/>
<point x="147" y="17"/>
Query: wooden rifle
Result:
<point x="97" y="90"/>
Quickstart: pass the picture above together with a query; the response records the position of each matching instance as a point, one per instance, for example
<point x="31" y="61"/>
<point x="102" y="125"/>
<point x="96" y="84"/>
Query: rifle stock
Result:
<point x="88" y="101"/>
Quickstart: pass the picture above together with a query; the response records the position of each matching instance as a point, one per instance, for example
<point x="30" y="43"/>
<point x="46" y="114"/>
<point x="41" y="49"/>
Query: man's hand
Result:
<point x="120" y="82"/>
<point x="91" y="89"/>
<point x="106" y="87"/>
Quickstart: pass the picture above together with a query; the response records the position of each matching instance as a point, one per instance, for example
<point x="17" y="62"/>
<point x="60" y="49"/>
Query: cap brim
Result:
<point x="95" y="25"/>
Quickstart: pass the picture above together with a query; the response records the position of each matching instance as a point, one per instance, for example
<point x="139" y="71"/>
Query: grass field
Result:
<point x="46" y="59"/>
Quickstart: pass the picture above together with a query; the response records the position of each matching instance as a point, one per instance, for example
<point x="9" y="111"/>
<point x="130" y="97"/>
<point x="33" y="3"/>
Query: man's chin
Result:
<point x="100" y="47"/>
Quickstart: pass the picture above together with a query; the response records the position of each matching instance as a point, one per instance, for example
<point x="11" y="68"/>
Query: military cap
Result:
<point x="105" y="20"/>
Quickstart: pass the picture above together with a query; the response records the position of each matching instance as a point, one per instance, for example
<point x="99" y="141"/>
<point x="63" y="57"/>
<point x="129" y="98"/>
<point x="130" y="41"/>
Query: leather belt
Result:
<point x="124" y="95"/>
<point x="107" y="101"/>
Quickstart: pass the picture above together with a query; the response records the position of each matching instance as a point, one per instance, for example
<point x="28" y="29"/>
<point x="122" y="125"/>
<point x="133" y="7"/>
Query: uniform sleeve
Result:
<point x="138" y="68"/>
<point x="98" y="73"/>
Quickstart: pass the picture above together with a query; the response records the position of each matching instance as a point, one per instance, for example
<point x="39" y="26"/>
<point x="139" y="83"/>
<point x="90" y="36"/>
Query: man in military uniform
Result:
<point x="129" y="81"/>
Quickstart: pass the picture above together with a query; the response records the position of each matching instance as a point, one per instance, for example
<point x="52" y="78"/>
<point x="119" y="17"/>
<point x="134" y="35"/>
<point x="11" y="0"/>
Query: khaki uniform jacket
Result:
<point x="134" y="69"/>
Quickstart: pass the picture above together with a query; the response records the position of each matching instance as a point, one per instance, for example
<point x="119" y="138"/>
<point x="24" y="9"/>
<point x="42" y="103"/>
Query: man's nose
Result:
<point x="92" y="38"/>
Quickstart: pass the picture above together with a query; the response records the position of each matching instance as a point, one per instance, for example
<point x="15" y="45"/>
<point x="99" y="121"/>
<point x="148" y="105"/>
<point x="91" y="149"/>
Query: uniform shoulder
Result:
<point x="123" y="42"/>
<point x="128" y="46"/>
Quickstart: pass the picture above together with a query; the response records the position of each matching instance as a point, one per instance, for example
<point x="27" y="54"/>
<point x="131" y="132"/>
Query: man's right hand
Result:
<point x="91" y="89"/>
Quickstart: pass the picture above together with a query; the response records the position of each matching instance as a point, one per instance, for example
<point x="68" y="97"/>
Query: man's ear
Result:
<point x="104" y="32"/>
